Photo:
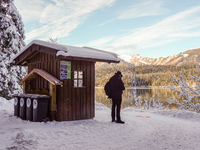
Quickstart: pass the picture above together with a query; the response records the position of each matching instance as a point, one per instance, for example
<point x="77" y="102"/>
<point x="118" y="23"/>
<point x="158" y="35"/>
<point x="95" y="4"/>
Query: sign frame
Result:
<point x="65" y="70"/>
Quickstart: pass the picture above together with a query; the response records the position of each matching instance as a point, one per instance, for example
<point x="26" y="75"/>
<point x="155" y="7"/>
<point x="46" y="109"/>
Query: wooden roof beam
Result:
<point x="43" y="74"/>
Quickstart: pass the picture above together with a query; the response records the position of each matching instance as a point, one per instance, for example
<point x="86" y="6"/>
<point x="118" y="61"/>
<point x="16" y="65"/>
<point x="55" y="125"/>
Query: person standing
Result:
<point x="117" y="88"/>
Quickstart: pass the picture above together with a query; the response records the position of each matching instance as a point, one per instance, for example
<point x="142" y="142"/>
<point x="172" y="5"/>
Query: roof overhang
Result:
<point x="43" y="74"/>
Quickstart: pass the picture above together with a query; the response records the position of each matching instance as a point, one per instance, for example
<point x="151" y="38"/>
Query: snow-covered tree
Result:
<point x="11" y="42"/>
<point x="191" y="95"/>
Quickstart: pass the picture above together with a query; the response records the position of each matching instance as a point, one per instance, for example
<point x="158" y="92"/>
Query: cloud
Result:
<point x="181" y="25"/>
<point x="142" y="9"/>
<point x="101" y="41"/>
<point x="59" y="17"/>
<point x="30" y="10"/>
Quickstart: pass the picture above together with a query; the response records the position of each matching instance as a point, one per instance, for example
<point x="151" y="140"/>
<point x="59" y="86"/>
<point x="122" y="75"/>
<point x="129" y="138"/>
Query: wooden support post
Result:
<point x="25" y="86"/>
<point x="52" y="93"/>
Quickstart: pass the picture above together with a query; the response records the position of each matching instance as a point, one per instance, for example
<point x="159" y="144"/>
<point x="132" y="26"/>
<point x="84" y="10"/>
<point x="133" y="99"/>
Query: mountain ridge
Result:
<point x="143" y="71"/>
<point x="191" y="56"/>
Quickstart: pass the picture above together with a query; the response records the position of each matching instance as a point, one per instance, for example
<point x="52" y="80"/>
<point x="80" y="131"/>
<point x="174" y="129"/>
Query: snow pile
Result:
<point x="6" y="105"/>
<point x="183" y="114"/>
<point x="72" y="51"/>
<point x="23" y="140"/>
<point x="163" y="130"/>
<point x="87" y="52"/>
<point x="100" y="106"/>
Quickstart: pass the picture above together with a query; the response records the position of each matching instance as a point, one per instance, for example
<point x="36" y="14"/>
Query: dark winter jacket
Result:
<point x="117" y="87"/>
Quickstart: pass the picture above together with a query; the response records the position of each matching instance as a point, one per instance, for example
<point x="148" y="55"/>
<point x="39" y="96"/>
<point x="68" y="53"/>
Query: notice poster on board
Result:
<point x="65" y="70"/>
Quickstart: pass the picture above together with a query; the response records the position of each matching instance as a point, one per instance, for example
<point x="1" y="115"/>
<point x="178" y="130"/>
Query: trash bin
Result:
<point x="40" y="107"/>
<point x="29" y="107"/>
<point x="22" y="112"/>
<point x="16" y="104"/>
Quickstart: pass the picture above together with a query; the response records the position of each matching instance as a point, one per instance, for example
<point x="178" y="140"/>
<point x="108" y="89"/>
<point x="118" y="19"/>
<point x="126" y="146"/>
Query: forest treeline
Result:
<point x="158" y="75"/>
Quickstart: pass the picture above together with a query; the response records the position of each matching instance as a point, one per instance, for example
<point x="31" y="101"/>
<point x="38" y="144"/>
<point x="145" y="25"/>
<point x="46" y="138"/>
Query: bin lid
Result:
<point x="39" y="96"/>
<point x="15" y="95"/>
<point x="26" y="95"/>
<point x="21" y="95"/>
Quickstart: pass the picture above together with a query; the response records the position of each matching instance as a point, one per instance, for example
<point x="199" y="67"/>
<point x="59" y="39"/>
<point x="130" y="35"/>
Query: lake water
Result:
<point x="160" y="94"/>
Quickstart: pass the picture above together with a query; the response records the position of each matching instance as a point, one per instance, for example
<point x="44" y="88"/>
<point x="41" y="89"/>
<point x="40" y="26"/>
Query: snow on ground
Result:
<point x="170" y="130"/>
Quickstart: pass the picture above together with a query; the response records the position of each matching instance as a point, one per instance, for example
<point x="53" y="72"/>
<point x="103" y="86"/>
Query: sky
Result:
<point x="151" y="28"/>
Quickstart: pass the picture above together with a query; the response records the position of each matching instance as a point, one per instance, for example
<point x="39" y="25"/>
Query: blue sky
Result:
<point x="151" y="28"/>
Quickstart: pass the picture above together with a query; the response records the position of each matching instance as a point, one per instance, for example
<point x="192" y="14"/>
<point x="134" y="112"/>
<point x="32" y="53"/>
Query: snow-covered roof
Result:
<point x="72" y="51"/>
<point x="43" y="74"/>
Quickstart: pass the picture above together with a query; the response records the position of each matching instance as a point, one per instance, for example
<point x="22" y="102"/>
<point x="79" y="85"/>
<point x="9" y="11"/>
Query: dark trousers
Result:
<point x="116" y="103"/>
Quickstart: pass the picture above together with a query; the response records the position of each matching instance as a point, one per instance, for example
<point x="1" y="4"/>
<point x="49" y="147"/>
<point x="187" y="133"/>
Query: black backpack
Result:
<point x="107" y="89"/>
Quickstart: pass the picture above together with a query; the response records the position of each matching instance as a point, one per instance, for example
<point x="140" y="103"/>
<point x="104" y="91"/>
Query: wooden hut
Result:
<point x="66" y="73"/>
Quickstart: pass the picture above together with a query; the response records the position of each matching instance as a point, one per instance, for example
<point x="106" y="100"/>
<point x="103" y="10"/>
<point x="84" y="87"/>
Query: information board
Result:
<point x="65" y="70"/>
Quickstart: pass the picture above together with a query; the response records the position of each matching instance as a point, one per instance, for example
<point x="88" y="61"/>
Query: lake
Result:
<point x="160" y="94"/>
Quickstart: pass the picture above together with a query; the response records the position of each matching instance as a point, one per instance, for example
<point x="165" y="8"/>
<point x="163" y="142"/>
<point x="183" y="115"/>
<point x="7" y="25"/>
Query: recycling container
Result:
<point x="40" y="107"/>
<point x="29" y="107"/>
<point x="16" y="104"/>
<point x="22" y="100"/>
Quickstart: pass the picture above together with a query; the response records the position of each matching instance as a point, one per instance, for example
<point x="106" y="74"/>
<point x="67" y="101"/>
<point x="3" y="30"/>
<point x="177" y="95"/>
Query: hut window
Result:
<point x="78" y="78"/>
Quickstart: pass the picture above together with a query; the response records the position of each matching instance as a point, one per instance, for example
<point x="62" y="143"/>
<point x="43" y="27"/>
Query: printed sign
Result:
<point x="35" y="103"/>
<point x="65" y="70"/>
<point x="28" y="102"/>
<point x="21" y="102"/>
<point x="16" y="101"/>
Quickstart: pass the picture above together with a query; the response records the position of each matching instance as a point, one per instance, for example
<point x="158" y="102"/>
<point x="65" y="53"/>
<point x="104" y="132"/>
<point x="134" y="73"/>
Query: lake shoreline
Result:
<point x="141" y="87"/>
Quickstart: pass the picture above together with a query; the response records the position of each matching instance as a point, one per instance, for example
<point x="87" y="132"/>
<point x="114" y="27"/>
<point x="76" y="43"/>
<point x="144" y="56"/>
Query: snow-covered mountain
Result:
<point x="191" y="56"/>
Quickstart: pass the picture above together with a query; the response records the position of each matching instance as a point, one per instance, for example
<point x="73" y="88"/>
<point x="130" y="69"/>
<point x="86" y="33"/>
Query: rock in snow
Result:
<point x="171" y="130"/>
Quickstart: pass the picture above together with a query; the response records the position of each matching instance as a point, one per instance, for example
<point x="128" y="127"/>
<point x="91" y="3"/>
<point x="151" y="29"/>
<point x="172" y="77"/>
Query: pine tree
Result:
<point x="11" y="42"/>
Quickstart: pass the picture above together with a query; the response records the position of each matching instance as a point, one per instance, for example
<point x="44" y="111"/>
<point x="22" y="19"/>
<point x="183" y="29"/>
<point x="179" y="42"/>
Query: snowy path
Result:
<point x="159" y="132"/>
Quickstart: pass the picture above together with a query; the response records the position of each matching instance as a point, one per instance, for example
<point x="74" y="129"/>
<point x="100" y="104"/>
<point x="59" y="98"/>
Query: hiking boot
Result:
<point x="122" y="122"/>
<point x="113" y="120"/>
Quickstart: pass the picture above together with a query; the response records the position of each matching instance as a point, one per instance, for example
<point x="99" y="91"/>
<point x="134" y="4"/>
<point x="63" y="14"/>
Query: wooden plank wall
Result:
<point x="72" y="103"/>
<point x="46" y="62"/>
<point x="78" y="103"/>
